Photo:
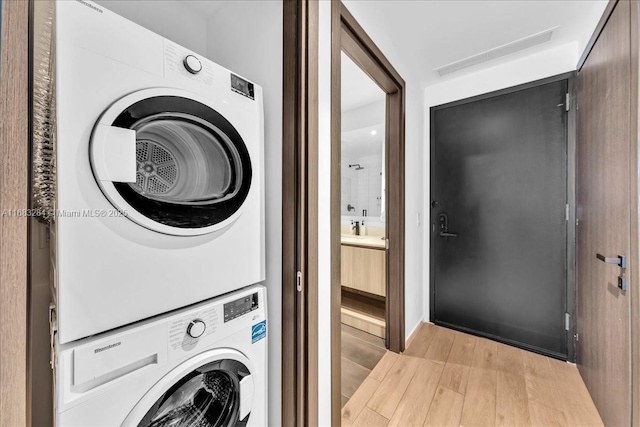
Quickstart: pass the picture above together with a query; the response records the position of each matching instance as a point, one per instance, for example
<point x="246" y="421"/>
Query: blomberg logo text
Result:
<point x="97" y="9"/>
<point x="107" y="347"/>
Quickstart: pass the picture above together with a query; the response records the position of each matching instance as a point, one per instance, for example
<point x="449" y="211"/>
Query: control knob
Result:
<point x="192" y="64"/>
<point x="196" y="328"/>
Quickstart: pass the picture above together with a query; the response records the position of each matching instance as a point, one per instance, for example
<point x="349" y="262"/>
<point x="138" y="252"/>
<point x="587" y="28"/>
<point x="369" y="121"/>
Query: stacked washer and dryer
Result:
<point x="158" y="238"/>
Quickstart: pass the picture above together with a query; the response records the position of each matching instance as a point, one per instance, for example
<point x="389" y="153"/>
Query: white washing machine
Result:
<point x="202" y="366"/>
<point x="159" y="174"/>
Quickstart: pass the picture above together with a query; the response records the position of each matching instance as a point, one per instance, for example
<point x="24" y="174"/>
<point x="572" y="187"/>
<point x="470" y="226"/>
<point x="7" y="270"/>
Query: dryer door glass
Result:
<point x="193" y="168"/>
<point x="207" y="397"/>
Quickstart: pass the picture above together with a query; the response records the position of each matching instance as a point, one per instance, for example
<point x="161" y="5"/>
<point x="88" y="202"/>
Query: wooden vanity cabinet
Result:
<point x="364" y="269"/>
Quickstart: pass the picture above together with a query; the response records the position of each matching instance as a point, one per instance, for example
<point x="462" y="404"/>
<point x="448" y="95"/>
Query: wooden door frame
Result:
<point x="300" y="214"/>
<point x="347" y="35"/>
<point x="570" y="305"/>
<point x="14" y="195"/>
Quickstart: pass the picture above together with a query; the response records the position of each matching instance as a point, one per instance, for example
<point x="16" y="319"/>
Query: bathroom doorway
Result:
<point x="362" y="226"/>
<point x="367" y="207"/>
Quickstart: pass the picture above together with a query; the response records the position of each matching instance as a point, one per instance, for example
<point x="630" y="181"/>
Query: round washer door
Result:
<point x="170" y="162"/>
<point x="214" y="389"/>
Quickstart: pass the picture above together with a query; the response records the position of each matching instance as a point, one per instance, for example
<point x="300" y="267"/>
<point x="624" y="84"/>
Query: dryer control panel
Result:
<point x="240" y="307"/>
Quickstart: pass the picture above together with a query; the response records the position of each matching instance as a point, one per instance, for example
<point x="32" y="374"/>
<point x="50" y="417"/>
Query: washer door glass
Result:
<point x="207" y="397"/>
<point x="193" y="168"/>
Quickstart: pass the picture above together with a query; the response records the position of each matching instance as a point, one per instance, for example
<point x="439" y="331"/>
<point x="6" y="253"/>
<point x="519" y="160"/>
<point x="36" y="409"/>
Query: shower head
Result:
<point x="357" y="166"/>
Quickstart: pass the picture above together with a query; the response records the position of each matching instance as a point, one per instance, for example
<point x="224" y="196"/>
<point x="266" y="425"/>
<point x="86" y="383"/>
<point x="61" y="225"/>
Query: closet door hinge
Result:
<point x="567" y="321"/>
<point x="299" y="281"/>
<point x="567" y="103"/>
<point x="53" y="331"/>
<point x="567" y="211"/>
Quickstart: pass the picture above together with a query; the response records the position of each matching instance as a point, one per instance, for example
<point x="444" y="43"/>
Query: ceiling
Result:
<point x="357" y="88"/>
<point x="419" y="36"/>
<point x="363" y="142"/>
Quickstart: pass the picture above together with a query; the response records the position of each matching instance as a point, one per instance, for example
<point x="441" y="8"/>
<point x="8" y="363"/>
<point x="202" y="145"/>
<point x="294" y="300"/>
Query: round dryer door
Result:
<point x="171" y="162"/>
<point x="215" y="393"/>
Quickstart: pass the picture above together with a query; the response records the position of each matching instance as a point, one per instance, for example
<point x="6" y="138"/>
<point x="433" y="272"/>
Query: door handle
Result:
<point x="620" y="260"/>
<point x="444" y="226"/>
<point x="447" y="234"/>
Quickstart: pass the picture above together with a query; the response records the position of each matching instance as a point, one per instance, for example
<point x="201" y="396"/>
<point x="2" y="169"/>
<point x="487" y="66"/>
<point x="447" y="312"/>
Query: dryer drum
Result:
<point x="182" y="159"/>
<point x="193" y="169"/>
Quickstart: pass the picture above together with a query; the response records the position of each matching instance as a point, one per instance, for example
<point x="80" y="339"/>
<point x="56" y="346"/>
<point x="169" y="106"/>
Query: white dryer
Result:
<point x="159" y="177"/>
<point x="202" y="366"/>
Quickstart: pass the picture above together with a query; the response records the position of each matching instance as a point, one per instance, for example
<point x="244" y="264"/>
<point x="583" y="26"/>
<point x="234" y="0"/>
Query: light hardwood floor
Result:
<point x="448" y="378"/>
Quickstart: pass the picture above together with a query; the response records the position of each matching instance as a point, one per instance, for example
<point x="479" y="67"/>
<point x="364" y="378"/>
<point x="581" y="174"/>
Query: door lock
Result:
<point x="622" y="283"/>
<point x="443" y="219"/>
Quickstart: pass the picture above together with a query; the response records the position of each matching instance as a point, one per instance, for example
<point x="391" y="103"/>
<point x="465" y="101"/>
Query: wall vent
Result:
<point x="497" y="52"/>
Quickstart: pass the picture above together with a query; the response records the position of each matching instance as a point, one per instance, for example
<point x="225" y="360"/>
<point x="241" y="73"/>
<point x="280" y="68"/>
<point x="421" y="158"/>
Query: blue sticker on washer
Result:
<point x="258" y="331"/>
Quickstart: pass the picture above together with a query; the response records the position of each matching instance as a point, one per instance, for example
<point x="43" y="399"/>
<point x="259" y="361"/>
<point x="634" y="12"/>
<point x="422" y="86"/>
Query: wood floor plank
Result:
<point x="536" y="365"/>
<point x="540" y="383"/>
<point x="485" y="357"/>
<point x="479" y="407"/>
<point x="370" y="418"/>
<point x="352" y="376"/>
<point x="455" y="377"/>
<point x="486" y="342"/>
<point x="462" y="349"/>
<point x="545" y="416"/>
<point x="361" y="352"/>
<point x="358" y="401"/>
<point x="456" y="371"/>
<point x="512" y="404"/>
<point x="384" y="365"/>
<point x="421" y="342"/>
<point x="386" y="398"/>
<point x="441" y="345"/>
<point x="510" y="359"/>
<point x="577" y="404"/>
<point x="414" y="405"/>
<point x="445" y="409"/>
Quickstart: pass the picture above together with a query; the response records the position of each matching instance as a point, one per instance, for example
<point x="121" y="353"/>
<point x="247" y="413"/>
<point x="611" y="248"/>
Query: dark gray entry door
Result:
<point x="499" y="228"/>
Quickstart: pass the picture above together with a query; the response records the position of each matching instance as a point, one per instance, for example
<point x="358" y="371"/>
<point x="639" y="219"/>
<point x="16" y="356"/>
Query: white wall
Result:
<point x="246" y="37"/>
<point x="558" y="60"/>
<point x="169" y="18"/>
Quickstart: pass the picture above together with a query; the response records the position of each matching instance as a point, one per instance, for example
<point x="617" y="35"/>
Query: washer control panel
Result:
<point x="240" y="307"/>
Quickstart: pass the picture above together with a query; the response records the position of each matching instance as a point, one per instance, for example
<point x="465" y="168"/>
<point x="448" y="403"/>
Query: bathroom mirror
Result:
<point x="363" y="140"/>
